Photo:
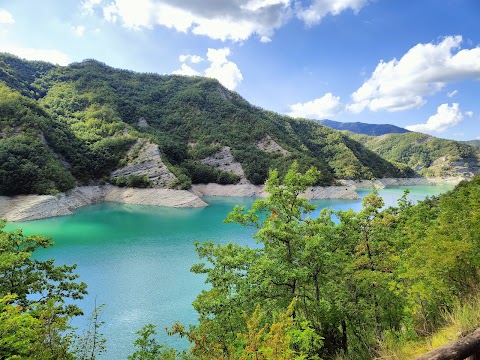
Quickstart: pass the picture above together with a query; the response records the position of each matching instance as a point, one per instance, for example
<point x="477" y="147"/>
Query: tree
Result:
<point x="33" y="309"/>
<point x="272" y="275"/>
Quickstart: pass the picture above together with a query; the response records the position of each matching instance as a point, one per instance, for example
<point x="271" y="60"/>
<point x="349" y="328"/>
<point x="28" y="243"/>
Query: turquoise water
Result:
<point x="136" y="259"/>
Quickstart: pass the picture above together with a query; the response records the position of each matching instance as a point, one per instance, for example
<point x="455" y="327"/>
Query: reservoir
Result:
<point x="136" y="259"/>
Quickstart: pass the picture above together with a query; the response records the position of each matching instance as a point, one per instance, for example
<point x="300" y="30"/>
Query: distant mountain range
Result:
<point x="473" y="143"/>
<point x="364" y="128"/>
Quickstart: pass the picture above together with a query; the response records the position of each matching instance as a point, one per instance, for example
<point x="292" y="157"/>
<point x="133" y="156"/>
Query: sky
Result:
<point x="410" y="63"/>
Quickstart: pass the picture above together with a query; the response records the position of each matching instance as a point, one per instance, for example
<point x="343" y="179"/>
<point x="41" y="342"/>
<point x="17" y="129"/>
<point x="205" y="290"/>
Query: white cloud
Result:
<point x="469" y="113"/>
<point x="423" y="71"/>
<point x="88" y="5"/>
<point x="325" y="107"/>
<point x="220" y="20"/>
<point x="194" y="59"/>
<point x="79" y="30"/>
<point x="445" y="118"/>
<point x="220" y="68"/>
<point x="6" y="17"/>
<point x="255" y="5"/>
<point x="265" y="39"/>
<point x="451" y="94"/>
<point x="52" y="56"/>
<point x="321" y="8"/>
<point x="186" y="70"/>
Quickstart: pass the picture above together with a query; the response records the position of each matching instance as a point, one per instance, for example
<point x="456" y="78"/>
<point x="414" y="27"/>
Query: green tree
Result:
<point x="33" y="308"/>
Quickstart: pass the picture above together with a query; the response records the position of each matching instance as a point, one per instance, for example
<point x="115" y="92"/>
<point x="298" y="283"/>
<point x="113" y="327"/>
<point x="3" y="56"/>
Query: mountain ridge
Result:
<point x="363" y="128"/>
<point x="90" y="115"/>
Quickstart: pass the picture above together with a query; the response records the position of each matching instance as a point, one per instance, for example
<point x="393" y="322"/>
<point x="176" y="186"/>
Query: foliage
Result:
<point x="135" y="181"/>
<point x="147" y="347"/>
<point x="34" y="312"/>
<point x="461" y="320"/>
<point x="92" y="342"/>
<point x="204" y="174"/>
<point x="356" y="277"/>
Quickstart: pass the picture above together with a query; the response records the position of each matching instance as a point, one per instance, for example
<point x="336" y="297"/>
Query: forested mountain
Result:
<point x="473" y="143"/>
<point x="364" y="128"/>
<point x="65" y="126"/>
<point x="428" y="155"/>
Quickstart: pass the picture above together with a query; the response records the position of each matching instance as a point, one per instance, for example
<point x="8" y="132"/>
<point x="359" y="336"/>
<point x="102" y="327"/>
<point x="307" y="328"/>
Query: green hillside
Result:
<point x="87" y="116"/>
<point x="426" y="154"/>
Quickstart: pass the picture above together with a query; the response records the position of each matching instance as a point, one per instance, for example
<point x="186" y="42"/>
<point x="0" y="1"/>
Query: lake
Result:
<point x="136" y="259"/>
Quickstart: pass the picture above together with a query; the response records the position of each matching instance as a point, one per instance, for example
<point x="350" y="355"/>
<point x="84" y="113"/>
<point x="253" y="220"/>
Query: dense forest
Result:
<point x="427" y="155"/>
<point x="74" y="125"/>
<point x="380" y="283"/>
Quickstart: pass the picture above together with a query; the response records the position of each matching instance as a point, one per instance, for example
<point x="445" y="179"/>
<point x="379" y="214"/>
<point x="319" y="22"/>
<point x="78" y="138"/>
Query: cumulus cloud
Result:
<point x="220" y="68"/>
<point x="220" y="20"/>
<point x="321" y="8"/>
<point x="445" y="118"/>
<point x="469" y="113"/>
<point x="186" y="70"/>
<point x="52" y="56"/>
<point x="194" y="59"/>
<point x="423" y="71"/>
<point x="325" y="107"/>
<point x="79" y="30"/>
<point x="88" y="5"/>
<point x="6" y="17"/>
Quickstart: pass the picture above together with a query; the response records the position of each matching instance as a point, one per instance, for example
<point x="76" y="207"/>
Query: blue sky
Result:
<point x="414" y="64"/>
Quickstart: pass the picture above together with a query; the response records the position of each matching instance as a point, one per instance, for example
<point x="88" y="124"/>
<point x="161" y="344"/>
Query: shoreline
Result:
<point x="34" y="207"/>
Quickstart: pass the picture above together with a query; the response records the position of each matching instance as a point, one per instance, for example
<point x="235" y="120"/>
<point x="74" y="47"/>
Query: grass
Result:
<point x="462" y="320"/>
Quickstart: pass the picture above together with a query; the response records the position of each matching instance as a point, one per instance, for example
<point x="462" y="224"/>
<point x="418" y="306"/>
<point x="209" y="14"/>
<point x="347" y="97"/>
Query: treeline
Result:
<point x="89" y="115"/>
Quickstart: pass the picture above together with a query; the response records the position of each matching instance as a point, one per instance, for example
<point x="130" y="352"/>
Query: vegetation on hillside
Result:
<point x="426" y="154"/>
<point x="89" y="115"/>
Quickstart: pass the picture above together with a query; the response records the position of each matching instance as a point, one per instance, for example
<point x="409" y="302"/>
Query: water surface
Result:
<point x="136" y="259"/>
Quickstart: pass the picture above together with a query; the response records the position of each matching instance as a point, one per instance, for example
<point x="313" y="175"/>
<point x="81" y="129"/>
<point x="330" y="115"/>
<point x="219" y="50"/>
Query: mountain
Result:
<point x="90" y="123"/>
<point x="473" y="143"/>
<point x="363" y="128"/>
<point x="428" y="155"/>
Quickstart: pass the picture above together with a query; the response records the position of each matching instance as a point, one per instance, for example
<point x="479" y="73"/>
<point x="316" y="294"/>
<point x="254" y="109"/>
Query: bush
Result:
<point x="134" y="181"/>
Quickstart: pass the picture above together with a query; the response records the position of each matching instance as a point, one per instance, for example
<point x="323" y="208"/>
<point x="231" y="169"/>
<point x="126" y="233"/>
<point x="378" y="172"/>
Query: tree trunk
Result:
<point x="344" y="336"/>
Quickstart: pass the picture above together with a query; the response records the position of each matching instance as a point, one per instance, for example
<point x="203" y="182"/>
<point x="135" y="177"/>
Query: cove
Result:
<point x="136" y="259"/>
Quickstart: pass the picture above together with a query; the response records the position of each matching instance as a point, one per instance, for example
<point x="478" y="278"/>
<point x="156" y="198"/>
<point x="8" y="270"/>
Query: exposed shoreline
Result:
<point x="33" y="207"/>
